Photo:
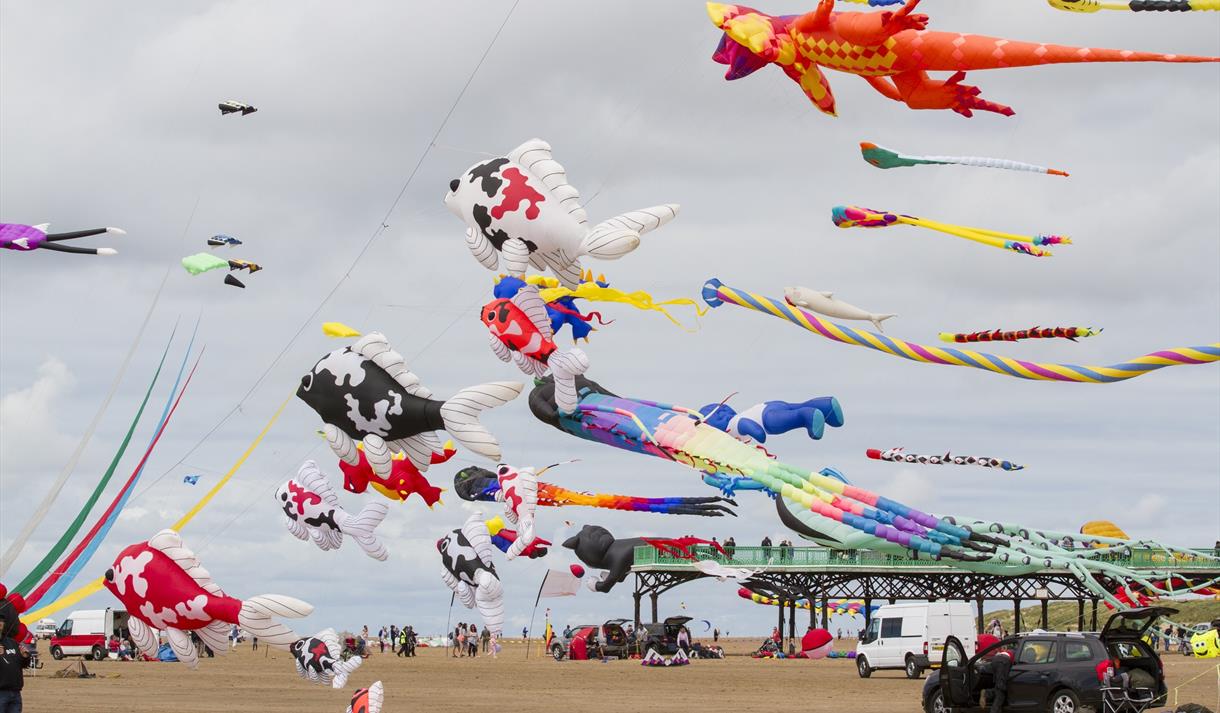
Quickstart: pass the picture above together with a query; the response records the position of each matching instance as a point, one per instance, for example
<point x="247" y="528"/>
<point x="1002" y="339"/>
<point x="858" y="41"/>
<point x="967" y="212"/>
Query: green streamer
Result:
<point x="53" y="554"/>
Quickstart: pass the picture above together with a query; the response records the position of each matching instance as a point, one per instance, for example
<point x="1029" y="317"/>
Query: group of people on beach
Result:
<point x="465" y="640"/>
<point x="402" y="641"/>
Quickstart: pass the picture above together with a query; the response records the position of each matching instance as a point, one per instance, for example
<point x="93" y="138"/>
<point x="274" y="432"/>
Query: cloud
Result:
<point x="30" y="419"/>
<point x="910" y="487"/>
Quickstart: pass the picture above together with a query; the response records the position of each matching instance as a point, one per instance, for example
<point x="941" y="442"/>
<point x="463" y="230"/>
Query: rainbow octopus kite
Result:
<point x="24" y="238"/>
<point x="850" y="216"/>
<point x="881" y="157"/>
<point x="716" y="293"/>
<point x="892" y="50"/>
<point x="827" y="509"/>
<point x="1070" y="333"/>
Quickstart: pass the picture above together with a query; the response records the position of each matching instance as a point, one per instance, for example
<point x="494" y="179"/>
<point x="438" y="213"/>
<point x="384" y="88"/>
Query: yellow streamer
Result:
<point x="640" y="300"/>
<point x="338" y="329"/>
<point x="93" y="587"/>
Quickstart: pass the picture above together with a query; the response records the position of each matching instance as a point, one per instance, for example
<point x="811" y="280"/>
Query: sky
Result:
<point x="108" y="117"/>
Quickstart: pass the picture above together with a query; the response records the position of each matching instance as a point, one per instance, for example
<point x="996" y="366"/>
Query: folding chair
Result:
<point x="1124" y="698"/>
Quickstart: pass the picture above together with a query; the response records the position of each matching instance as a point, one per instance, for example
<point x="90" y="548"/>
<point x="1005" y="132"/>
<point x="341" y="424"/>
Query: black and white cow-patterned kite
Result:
<point x="312" y="512"/>
<point x="468" y="570"/>
<point x="317" y="659"/>
<point x="366" y="393"/>
<point x="520" y="211"/>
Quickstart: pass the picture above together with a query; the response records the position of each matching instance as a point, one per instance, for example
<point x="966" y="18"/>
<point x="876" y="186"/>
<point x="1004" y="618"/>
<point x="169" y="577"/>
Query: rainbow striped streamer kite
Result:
<point x="851" y="216"/>
<point x="476" y="484"/>
<point x="716" y="293"/>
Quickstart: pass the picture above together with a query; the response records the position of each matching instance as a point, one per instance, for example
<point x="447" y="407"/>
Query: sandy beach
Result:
<point x="265" y="681"/>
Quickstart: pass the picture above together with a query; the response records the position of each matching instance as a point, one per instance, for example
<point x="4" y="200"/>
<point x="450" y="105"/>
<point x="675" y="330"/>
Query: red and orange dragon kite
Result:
<point x="892" y="51"/>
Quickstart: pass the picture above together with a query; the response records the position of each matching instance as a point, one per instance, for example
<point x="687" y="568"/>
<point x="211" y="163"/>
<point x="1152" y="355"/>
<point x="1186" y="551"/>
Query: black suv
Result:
<point x="663" y="635"/>
<point x="1053" y="672"/>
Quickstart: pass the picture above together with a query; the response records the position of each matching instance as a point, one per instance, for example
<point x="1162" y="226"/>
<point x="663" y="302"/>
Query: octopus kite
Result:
<point x="829" y="510"/>
<point x="891" y="50"/>
<point x="23" y="238"/>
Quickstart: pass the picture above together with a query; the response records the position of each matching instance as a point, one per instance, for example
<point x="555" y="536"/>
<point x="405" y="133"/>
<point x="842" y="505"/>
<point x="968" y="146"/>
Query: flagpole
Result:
<point x="448" y="621"/>
<point x="529" y="638"/>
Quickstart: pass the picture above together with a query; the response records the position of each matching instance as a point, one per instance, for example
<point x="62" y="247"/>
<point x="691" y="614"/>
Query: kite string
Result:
<point x="381" y="227"/>
<point x="14" y="550"/>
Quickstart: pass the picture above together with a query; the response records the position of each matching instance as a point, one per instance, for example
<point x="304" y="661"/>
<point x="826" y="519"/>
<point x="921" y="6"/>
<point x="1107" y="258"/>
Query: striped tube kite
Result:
<point x="1070" y="333"/>
<point x="881" y="157"/>
<point x="850" y="216"/>
<point x="850" y="607"/>
<point x="716" y="293"/>
<point x="476" y="484"/>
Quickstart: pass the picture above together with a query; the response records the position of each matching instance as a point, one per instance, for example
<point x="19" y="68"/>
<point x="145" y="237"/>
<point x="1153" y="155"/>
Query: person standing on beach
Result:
<point x="12" y="660"/>
<point x="486" y="638"/>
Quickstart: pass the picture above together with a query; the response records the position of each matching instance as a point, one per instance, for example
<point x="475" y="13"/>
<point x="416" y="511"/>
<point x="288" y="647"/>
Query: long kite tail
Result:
<point x="955" y="52"/>
<point x="44" y="565"/>
<point x="67" y="570"/>
<point x="40" y="512"/>
<point x="556" y="496"/>
<point x="96" y="585"/>
<point x="715" y="293"/>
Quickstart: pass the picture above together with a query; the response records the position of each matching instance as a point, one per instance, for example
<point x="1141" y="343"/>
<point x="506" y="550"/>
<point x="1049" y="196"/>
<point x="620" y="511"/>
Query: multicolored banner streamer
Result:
<point x="67" y="570"/>
<point x="44" y="565"/>
<point x="95" y="586"/>
<point x="716" y="293"/>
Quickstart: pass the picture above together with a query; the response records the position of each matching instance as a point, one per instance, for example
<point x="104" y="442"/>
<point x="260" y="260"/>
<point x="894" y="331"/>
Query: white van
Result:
<point x="86" y="632"/>
<point x="44" y="629"/>
<point x="911" y="636"/>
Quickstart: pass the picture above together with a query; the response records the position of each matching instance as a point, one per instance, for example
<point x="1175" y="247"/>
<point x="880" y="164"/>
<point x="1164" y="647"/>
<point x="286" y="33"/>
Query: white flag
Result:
<point x="559" y="583"/>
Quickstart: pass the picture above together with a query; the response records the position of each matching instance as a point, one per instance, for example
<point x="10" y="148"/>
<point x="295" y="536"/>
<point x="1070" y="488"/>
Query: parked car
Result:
<point x="1055" y="672"/>
<point x="663" y="635"/>
<point x="589" y="641"/>
<point x="912" y="637"/>
<point x="85" y="633"/>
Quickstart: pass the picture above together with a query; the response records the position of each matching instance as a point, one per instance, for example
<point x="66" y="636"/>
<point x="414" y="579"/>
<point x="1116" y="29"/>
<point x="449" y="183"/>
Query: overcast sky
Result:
<point x="108" y="117"/>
